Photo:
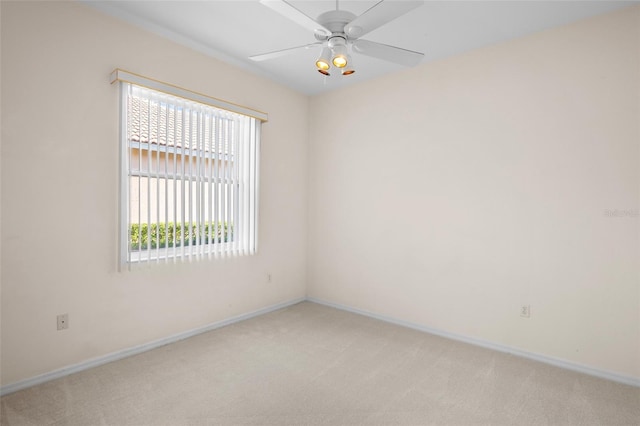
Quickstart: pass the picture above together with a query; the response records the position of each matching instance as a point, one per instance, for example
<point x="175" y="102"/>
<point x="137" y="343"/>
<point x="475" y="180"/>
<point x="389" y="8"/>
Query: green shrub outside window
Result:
<point x="162" y="234"/>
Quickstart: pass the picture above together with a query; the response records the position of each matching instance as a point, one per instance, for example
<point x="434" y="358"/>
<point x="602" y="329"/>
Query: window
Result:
<point x="189" y="175"/>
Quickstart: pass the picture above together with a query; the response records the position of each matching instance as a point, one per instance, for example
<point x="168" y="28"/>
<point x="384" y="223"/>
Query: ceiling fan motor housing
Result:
<point x="335" y="21"/>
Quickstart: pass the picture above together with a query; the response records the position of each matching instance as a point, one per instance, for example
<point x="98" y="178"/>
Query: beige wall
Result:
<point x="60" y="199"/>
<point x="450" y="194"/>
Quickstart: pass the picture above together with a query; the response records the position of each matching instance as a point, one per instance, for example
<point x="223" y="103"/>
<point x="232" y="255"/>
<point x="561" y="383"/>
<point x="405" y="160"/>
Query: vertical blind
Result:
<point x="189" y="178"/>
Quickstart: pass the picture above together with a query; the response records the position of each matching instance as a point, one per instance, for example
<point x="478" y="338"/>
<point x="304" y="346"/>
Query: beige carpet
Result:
<point x="313" y="365"/>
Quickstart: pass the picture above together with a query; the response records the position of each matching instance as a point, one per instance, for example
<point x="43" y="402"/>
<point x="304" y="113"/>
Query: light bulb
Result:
<point x="322" y="65"/>
<point x="340" y="61"/>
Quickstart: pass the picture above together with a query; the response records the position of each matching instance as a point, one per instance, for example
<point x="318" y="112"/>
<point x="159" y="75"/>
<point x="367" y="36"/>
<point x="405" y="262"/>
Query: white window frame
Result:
<point x="246" y="125"/>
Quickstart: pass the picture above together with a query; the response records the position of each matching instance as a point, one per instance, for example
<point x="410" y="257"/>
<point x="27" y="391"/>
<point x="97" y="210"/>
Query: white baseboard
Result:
<point x="94" y="362"/>
<point x="568" y="365"/>
<point x="85" y="365"/>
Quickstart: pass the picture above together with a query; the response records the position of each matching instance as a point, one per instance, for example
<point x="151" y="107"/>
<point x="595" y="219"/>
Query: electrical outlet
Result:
<point x="525" y="311"/>
<point x="63" y="321"/>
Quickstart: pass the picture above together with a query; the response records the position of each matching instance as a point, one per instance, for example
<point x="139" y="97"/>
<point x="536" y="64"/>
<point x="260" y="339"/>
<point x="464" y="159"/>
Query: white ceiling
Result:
<point x="234" y="30"/>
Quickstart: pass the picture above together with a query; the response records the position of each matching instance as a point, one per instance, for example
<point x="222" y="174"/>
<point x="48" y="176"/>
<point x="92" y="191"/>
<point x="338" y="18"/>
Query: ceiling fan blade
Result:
<point x="378" y="15"/>
<point x="397" y="55"/>
<point x="283" y="52"/>
<point x="288" y="11"/>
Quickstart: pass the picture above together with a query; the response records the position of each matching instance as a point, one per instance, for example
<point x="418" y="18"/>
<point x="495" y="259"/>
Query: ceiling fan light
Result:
<point x="349" y="69"/>
<point x="323" y="61"/>
<point x="340" y="56"/>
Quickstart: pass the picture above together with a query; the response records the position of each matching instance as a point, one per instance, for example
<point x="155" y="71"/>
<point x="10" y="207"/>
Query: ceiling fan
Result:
<point x="338" y="32"/>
